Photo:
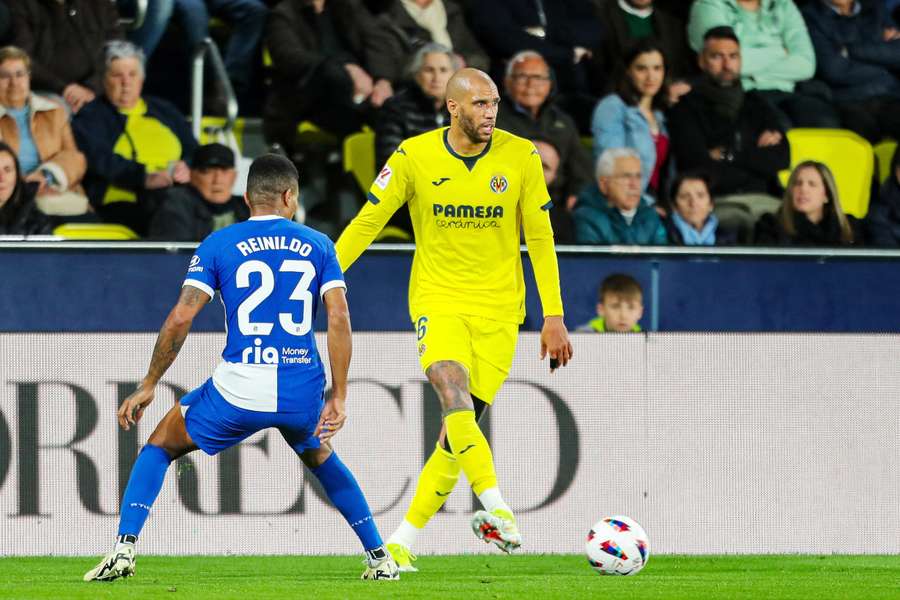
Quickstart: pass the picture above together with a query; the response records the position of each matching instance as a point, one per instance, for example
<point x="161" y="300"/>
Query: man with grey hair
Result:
<point x="612" y="212"/>
<point x="64" y="40"/>
<point x="533" y="114"/>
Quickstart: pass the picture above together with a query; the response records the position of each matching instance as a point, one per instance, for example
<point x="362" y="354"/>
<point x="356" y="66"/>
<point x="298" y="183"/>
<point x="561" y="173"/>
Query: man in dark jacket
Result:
<point x="564" y="32"/>
<point x="628" y="21"/>
<point x="721" y="129"/>
<point x="858" y="56"/>
<point x="206" y="204"/>
<point x="418" y="23"/>
<point x="65" y="39"/>
<point x="532" y="114"/>
<point x="331" y="63"/>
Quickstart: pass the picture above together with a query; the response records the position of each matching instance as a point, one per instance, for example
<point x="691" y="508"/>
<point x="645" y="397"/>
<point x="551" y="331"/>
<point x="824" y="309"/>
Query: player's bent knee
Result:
<point x="315" y="457"/>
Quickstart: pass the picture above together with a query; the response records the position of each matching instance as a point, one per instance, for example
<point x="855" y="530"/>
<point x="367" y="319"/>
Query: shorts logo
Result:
<point x="384" y="177"/>
<point x="499" y="184"/>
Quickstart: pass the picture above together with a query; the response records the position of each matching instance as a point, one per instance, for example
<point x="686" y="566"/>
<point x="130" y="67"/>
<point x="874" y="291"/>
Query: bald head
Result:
<point x="466" y="81"/>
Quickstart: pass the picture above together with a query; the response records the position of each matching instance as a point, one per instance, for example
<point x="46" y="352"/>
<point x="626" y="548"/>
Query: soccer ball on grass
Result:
<point x="617" y="546"/>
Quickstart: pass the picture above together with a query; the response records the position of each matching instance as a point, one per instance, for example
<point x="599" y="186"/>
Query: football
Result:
<point x="617" y="546"/>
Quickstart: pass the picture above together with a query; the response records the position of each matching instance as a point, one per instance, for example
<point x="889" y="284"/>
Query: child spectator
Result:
<point x="619" y="306"/>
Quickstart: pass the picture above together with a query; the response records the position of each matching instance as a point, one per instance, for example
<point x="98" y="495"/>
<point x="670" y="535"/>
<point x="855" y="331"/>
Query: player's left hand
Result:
<point x="332" y="419"/>
<point x="132" y="408"/>
<point x="555" y="340"/>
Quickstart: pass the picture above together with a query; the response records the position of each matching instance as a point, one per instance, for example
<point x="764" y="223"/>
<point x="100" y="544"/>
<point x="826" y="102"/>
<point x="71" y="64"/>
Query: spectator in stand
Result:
<point x="38" y="131"/>
<point x="811" y="213"/>
<point x="65" y="39"/>
<point x="420" y="106"/>
<point x="632" y="116"/>
<point x="136" y="146"/>
<point x="19" y="214"/>
<point x="5" y="23"/>
<point x="530" y="112"/>
<point x="206" y="203"/>
<point x="561" y="211"/>
<point x="419" y="22"/>
<point x="691" y="221"/>
<point x="883" y="218"/>
<point x="156" y="20"/>
<point x="620" y="305"/>
<point x="721" y="128"/>
<point x="332" y="63"/>
<point x="247" y="21"/>
<point x="612" y="212"/>
<point x="858" y="56"/>
<point x="414" y="109"/>
<point x="628" y="21"/>
<point x="564" y="32"/>
<point x="778" y="56"/>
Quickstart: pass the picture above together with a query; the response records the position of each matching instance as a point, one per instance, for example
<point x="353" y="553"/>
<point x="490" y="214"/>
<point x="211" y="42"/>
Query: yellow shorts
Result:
<point x="483" y="346"/>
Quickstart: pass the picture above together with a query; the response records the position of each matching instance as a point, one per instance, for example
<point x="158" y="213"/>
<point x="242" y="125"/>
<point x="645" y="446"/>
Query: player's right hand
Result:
<point x="555" y="341"/>
<point x="332" y="419"/>
<point x="132" y="408"/>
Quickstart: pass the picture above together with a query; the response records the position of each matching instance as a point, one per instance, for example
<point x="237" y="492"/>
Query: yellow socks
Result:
<point x="471" y="450"/>
<point x="436" y="481"/>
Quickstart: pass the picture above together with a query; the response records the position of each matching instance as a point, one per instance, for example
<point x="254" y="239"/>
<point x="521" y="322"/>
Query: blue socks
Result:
<point x="345" y="495"/>
<point x="143" y="487"/>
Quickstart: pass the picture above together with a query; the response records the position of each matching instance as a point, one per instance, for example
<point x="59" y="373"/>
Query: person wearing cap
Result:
<point x="205" y="204"/>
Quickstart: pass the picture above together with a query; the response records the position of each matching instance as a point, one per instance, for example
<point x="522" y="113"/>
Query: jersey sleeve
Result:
<point x="535" y="205"/>
<point x="202" y="272"/>
<point x="391" y="189"/>
<point x="330" y="276"/>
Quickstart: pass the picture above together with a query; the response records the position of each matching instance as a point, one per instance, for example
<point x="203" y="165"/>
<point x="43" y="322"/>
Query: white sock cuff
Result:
<point x="491" y="500"/>
<point x="405" y="534"/>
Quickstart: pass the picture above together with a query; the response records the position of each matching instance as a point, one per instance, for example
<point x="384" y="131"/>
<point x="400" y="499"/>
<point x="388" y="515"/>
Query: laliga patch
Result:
<point x="499" y="184"/>
<point x="384" y="177"/>
<point x="195" y="267"/>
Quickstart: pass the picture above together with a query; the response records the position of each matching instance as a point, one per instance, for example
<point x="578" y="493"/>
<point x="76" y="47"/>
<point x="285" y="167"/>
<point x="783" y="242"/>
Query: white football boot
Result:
<point x="118" y="563"/>
<point x="498" y="528"/>
<point x="384" y="568"/>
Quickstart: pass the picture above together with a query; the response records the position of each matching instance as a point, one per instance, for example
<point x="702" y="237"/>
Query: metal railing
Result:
<point x="137" y="20"/>
<point x="208" y="47"/>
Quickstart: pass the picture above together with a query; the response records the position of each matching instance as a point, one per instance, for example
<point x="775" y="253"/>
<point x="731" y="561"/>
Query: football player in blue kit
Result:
<point x="270" y="273"/>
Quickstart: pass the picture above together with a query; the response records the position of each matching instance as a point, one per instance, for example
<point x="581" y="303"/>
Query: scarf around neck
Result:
<point x="432" y="17"/>
<point x="726" y="101"/>
<point x="692" y="237"/>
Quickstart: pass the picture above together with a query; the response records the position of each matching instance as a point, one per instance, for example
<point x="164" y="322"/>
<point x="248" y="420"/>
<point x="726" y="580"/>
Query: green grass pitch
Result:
<point x="529" y="577"/>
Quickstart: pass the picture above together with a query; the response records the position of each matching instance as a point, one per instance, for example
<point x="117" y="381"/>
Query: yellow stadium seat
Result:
<point x="359" y="158"/>
<point x="884" y="154"/>
<point x="94" y="231"/>
<point x="210" y="125"/>
<point x="849" y="156"/>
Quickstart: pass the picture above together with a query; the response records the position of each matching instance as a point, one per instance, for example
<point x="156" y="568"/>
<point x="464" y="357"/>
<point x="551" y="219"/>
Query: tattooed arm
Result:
<point x="168" y="343"/>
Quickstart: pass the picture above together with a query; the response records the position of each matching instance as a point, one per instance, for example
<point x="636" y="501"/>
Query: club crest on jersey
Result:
<point x="384" y="177"/>
<point x="499" y="184"/>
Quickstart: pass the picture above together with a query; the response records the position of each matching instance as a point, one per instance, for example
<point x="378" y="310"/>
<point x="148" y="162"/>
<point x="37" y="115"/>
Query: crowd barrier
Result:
<point x="127" y="286"/>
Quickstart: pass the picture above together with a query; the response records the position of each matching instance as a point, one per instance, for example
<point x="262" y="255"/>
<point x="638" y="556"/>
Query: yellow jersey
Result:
<point x="467" y="213"/>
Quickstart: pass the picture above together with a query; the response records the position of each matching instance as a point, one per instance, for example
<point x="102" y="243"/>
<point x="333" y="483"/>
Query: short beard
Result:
<point x="468" y="127"/>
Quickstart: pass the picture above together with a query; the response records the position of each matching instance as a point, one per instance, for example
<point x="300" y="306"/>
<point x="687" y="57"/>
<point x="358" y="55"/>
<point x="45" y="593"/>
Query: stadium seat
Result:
<point x="884" y="154"/>
<point x="94" y="231"/>
<point x="359" y="158"/>
<point x="210" y="128"/>
<point x="849" y="156"/>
